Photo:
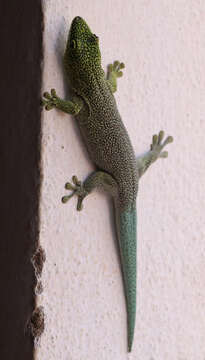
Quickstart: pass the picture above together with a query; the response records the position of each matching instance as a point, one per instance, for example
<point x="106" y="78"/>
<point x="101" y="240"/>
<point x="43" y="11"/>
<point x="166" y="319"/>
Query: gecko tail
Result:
<point x="126" y="227"/>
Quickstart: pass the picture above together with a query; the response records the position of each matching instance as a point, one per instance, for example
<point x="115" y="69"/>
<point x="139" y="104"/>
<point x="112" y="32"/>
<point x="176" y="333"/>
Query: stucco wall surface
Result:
<point x="163" y="46"/>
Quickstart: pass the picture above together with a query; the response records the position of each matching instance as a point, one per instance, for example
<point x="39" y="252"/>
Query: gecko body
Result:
<point x="117" y="169"/>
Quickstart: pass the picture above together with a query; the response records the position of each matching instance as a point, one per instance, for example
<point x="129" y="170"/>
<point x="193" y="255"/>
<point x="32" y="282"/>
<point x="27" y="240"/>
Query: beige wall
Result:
<point x="163" y="46"/>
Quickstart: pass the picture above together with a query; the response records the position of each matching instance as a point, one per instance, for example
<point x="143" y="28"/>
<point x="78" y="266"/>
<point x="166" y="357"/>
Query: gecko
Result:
<point x="118" y="170"/>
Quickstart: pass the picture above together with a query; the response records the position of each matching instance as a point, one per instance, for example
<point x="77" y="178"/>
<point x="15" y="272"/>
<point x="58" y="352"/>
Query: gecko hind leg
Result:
<point x="157" y="146"/>
<point x="98" y="179"/>
<point x="144" y="161"/>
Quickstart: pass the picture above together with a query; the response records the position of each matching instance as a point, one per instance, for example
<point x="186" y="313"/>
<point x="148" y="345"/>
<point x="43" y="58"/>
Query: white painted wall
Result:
<point x="163" y="46"/>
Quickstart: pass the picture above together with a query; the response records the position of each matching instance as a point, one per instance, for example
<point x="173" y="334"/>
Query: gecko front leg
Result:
<point x="114" y="72"/>
<point x="52" y="100"/>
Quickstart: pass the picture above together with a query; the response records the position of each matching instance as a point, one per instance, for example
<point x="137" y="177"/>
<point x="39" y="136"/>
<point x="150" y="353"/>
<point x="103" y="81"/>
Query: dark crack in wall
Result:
<point x="21" y="26"/>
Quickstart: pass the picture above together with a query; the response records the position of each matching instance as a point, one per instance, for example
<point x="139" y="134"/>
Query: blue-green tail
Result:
<point x="126" y="227"/>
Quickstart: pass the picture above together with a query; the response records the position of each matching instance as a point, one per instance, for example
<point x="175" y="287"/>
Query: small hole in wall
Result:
<point x="37" y="323"/>
<point x="39" y="288"/>
<point x="38" y="260"/>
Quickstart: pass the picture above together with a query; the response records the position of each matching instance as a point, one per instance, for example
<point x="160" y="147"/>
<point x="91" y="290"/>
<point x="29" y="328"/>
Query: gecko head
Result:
<point x="82" y="56"/>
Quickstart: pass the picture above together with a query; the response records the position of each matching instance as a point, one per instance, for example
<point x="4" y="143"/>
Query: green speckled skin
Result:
<point x="108" y="144"/>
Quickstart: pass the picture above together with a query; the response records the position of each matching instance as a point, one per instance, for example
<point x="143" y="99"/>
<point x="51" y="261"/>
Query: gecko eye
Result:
<point x="93" y="39"/>
<point x="73" y="44"/>
<point x="96" y="37"/>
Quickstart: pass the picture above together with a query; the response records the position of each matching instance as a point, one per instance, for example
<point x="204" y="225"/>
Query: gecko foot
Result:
<point x="50" y="100"/>
<point x="116" y="68"/>
<point x="77" y="189"/>
<point x="157" y="145"/>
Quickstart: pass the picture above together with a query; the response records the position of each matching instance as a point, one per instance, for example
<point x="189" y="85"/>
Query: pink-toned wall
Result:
<point x="163" y="46"/>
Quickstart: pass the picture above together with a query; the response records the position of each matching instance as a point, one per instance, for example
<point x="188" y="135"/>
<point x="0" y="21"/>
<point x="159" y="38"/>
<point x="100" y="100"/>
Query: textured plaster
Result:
<point x="163" y="46"/>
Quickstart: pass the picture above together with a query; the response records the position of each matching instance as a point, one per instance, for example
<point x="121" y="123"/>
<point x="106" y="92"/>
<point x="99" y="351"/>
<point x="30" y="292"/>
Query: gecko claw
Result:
<point x="53" y="92"/>
<point x="47" y="95"/>
<point x="168" y="140"/>
<point x="116" y="68"/>
<point x="164" y="154"/>
<point x="77" y="189"/>
<point x="49" y="100"/>
<point x="157" y="145"/>
<point x="160" y="137"/>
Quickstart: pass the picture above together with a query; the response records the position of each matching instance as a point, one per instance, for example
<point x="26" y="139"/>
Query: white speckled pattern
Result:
<point x="163" y="46"/>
